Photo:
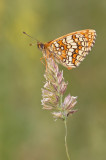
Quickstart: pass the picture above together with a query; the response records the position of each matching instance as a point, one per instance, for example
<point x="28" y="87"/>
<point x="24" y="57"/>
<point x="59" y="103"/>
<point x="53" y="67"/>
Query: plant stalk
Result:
<point x="67" y="153"/>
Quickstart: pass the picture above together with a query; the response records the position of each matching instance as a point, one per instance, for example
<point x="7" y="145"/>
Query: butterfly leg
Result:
<point x="42" y="61"/>
<point x="69" y="68"/>
<point x="46" y="64"/>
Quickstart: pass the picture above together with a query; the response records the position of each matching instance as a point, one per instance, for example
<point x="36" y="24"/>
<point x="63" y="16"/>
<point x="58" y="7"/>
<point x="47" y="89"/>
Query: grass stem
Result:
<point x="66" y="140"/>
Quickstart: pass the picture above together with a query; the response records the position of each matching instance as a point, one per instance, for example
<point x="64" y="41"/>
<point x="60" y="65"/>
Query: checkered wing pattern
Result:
<point x="71" y="49"/>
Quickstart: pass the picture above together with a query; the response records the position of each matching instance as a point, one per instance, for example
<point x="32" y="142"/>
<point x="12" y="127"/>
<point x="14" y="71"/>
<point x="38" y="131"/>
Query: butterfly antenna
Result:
<point x="30" y="36"/>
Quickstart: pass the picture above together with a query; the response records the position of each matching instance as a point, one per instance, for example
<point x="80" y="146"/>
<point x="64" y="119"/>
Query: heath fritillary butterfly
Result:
<point x="70" y="49"/>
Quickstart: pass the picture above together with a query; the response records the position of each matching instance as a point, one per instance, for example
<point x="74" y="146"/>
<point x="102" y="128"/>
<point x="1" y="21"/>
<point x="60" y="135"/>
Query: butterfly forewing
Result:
<point x="71" y="49"/>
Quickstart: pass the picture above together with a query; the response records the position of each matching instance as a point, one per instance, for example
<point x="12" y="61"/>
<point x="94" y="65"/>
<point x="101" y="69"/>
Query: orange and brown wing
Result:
<point x="71" y="49"/>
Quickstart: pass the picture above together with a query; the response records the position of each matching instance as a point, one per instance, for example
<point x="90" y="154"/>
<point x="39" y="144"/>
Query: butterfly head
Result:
<point x="40" y="45"/>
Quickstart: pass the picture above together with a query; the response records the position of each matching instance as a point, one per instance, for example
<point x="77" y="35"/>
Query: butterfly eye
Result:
<point x="40" y="46"/>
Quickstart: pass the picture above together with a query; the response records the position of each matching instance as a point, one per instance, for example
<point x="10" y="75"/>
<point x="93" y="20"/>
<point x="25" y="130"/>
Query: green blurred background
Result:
<point x="26" y="131"/>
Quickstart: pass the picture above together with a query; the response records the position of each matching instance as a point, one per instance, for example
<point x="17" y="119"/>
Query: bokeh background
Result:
<point x="26" y="131"/>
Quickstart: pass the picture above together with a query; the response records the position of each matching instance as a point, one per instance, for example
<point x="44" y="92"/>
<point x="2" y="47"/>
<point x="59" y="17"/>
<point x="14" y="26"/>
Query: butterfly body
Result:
<point x="69" y="50"/>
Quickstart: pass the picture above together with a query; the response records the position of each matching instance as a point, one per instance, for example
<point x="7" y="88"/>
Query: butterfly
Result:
<point x="71" y="49"/>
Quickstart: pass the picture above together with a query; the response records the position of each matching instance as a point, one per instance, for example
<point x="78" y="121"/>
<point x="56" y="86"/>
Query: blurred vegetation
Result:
<point x="26" y="131"/>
